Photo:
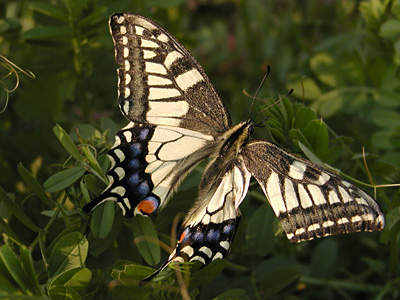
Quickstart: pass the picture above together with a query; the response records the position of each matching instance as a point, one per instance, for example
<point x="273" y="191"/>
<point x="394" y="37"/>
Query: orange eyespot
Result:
<point x="182" y="236"/>
<point x="147" y="206"/>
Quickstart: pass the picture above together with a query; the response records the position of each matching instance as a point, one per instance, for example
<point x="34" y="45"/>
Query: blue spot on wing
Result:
<point x="228" y="229"/>
<point x="136" y="149"/>
<point x="213" y="235"/>
<point x="143" y="133"/>
<point x="134" y="164"/>
<point x="143" y="189"/>
<point x="198" y="236"/>
<point x="134" y="179"/>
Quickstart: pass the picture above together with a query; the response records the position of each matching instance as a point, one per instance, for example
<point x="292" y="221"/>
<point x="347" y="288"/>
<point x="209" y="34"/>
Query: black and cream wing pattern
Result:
<point x="177" y="119"/>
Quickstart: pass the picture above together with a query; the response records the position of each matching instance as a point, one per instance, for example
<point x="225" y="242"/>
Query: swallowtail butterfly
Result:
<point x="177" y="119"/>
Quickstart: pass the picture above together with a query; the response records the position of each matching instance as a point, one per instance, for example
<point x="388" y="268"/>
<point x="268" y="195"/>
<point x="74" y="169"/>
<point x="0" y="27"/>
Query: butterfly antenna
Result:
<point x="258" y="89"/>
<point x="262" y="123"/>
<point x="276" y="102"/>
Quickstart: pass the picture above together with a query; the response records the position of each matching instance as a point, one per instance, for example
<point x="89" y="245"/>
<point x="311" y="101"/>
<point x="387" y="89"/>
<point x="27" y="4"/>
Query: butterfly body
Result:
<point x="177" y="120"/>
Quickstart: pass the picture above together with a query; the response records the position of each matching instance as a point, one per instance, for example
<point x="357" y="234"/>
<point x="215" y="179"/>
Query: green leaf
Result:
<point x="390" y="28"/>
<point x="297" y="137"/>
<point x="279" y="280"/>
<point x="260" y="225"/>
<point x="316" y="133"/>
<point x="27" y="264"/>
<point x="331" y="102"/>
<point x="34" y="185"/>
<point x="67" y="142"/>
<point x="70" y="229"/>
<point x="382" y="139"/>
<point x="270" y="265"/>
<point x="84" y="190"/>
<point x="69" y="252"/>
<point x="130" y="275"/>
<point x="136" y="272"/>
<point x="310" y="155"/>
<point x="98" y="246"/>
<point x="5" y="227"/>
<point x="45" y="33"/>
<point x="163" y="3"/>
<point x="387" y="98"/>
<point x="148" y="247"/>
<point x="103" y="219"/>
<point x="395" y="9"/>
<point x="325" y="69"/>
<point x="96" y="18"/>
<point x="130" y="293"/>
<point x="323" y="258"/>
<point x="76" y="278"/>
<point x="386" y="118"/>
<point x="208" y="273"/>
<point x="372" y="12"/>
<point x="304" y="88"/>
<point x="94" y="163"/>
<point x="239" y="294"/>
<point x="17" y="211"/>
<point x="396" y="59"/>
<point x="376" y="265"/>
<point x="63" y="179"/>
<point x="303" y="117"/>
<point x="10" y="260"/>
<point x="48" y="10"/>
<point x="6" y="285"/>
<point x="63" y="293"/>
<point x="85" y="131"/>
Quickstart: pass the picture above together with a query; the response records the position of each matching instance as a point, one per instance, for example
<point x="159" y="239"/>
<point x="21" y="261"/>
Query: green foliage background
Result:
<point x="341" y="57"/>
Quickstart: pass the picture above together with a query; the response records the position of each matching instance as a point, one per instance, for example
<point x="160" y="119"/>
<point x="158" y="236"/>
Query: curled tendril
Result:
<point x="13" y="69"/>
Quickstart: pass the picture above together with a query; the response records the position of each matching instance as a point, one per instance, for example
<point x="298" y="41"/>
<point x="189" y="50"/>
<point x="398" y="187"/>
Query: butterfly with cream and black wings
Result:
<point x="177" y="119"/>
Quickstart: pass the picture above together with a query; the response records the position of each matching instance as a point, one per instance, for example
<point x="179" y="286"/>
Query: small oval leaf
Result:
<point x="76" y="278"/>
<point x="103" y="219"/>
<point x="69" y="252"/>
<point x="63" y="179"/>
<point x="67" y="142"/>
<point x="148" y="246"/>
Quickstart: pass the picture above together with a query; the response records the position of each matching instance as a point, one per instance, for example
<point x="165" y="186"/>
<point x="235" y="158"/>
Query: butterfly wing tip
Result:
<point x="147" y="279"/>
<point x="92" y="204"/>
<point x="87" y="208"/>
<point x="144" y="282"/>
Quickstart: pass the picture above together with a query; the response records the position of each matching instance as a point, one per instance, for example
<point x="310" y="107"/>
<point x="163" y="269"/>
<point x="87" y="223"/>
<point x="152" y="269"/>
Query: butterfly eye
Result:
<point x="251" y="129"/>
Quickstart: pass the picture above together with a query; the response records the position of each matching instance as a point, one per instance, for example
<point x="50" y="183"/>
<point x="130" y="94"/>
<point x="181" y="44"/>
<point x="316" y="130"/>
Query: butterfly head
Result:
<point x="233" y="140"/>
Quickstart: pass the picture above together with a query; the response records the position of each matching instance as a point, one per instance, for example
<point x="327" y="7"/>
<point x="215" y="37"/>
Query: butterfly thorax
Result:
<point x="227" y="154"/>
<point x="232" y="141"/>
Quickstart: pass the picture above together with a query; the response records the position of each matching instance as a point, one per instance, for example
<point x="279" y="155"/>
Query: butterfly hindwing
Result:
<point x="309" y="200"/>
<point x="211" y="224"/>
<point x="147" y="163"/>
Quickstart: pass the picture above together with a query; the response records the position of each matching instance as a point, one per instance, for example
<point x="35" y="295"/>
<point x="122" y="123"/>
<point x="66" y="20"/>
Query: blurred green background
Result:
<point x="341" y="57"/>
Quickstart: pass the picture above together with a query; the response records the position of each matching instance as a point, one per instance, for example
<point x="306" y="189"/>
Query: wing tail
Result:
<point x="211" y="224"/>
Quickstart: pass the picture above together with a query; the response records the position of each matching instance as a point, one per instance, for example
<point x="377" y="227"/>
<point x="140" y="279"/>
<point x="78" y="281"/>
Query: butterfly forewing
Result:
<point x="309" y="200"/>
<point x="160" y="82"/>
<point x="165" y="93"/>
